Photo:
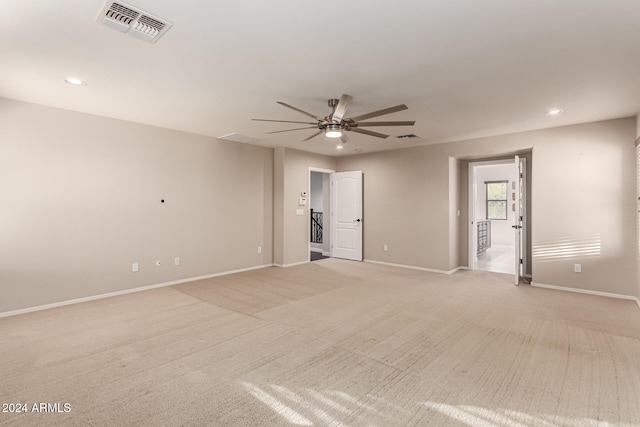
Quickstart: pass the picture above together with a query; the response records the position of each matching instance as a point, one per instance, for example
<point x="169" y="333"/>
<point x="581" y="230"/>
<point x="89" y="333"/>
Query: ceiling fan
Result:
<point x="335" y="124"/>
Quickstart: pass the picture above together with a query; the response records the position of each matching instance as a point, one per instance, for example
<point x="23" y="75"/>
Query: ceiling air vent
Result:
<point x="236" y="137"/>
<point x="133" y="21"/>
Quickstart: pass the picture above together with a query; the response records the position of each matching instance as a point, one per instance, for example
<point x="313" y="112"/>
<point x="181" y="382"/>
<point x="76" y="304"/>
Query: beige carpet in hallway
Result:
<point x="329" y="343"/>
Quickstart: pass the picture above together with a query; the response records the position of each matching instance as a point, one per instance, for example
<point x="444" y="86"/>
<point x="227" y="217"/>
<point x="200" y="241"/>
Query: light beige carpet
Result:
<point x="331" y="343"/>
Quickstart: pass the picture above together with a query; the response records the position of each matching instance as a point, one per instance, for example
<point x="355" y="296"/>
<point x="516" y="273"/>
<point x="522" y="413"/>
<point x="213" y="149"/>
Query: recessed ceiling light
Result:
<point x="74" y="81"/>
<point x="554" y="112"/>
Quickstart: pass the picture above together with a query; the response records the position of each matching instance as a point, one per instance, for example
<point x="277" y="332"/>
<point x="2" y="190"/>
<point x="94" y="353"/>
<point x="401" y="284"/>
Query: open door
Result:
<point x="518" y="203"/>
<point x="346" y="218"/>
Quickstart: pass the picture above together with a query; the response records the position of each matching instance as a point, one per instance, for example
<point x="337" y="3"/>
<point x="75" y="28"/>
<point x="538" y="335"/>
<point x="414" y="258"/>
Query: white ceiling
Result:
<point x="465" y="68"/>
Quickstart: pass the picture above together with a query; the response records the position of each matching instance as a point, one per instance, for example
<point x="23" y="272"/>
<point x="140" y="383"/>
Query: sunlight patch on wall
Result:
<point x="567" y="248"/>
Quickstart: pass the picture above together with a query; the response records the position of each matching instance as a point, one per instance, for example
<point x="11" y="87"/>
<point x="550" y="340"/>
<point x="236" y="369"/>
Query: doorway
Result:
<point x="498" y="216"/>
<point x="335" y="226"/>
<point x="319" y="217"/>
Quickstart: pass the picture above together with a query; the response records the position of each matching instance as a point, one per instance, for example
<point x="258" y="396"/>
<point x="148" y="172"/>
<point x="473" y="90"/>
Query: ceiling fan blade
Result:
<point x="289" y="130"/>
<point x="283" y="121"/>
<point x="341" y="108"/>
<point x="299" y="110"/>
<point x="405" y="123"/>
<point x="313" y="136"/>
<point x="369" y="132"/>
<point x="380" y="112"/>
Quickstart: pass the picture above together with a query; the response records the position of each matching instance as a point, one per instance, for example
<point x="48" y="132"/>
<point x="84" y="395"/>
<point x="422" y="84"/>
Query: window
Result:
<point x="496" y="199"/>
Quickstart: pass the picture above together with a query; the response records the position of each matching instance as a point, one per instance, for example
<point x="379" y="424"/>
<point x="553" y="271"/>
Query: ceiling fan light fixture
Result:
<point x="333" y="131"/>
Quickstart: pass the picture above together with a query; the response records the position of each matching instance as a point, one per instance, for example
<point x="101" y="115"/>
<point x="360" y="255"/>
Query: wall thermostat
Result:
<point x="302" y="201"/>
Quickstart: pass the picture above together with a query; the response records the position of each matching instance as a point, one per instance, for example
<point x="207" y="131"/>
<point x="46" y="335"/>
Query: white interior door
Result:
<point x="518" y="219"/>
<point x="346" y="218"/>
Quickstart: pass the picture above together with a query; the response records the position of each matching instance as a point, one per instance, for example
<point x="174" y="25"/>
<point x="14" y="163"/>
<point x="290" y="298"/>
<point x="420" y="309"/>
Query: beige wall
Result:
<point x="583" y="189"/>
<point x="292" y="172"/>
<point x="455" y="214"/>
<point x="278" y="206"/>
<point x="80" y="202"/>
<point x="406" y="205"/>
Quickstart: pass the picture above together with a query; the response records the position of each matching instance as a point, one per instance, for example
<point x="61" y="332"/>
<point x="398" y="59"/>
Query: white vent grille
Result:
<point x="129" y="19"/>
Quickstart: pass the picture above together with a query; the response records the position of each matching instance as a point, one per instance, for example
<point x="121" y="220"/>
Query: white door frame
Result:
<point x="320" y="170"/>
<point x="517" y="226"/>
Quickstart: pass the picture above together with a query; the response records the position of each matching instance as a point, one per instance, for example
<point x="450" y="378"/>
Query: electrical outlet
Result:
<point x="134" y="267"/>
<point x="259" y="249"/>
<point x="176" y="261"/>
<point x="385" y="248"/>
<point x="577" y="268"/>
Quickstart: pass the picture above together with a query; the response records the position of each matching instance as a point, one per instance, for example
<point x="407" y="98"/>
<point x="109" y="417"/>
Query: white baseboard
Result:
<point x="290" y="265"/>
<point x="316" y="247"/>
<point x="586" y="291"/>
<point x="413" y="267"/>
<point x="224" y="273"/>
<point x="127" y="291"/>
